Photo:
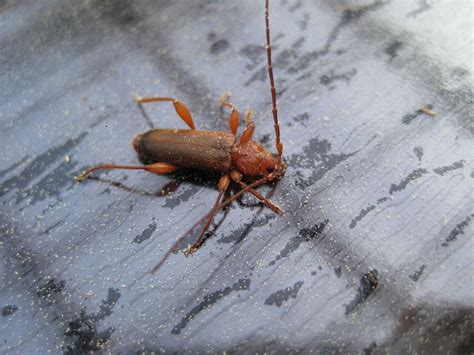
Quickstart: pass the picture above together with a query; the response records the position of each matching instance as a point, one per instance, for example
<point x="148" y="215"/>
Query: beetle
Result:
<point x="238" y="160"/>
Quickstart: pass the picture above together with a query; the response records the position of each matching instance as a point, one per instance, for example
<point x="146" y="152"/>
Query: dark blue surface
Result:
<point x="375" y="251"/>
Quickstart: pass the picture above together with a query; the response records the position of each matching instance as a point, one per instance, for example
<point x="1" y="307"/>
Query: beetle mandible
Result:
<point x="238" y="160"/>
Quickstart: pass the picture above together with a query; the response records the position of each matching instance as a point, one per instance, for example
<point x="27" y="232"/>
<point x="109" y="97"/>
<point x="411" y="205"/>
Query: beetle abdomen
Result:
<point x="205" y="150"/>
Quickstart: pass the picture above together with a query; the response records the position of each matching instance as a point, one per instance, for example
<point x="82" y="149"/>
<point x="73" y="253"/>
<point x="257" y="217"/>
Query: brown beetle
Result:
<point x="173" y="149"/>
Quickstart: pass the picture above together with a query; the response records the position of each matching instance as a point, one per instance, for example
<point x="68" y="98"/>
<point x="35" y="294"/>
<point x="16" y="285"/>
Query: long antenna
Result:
<point x="279" y="146"/>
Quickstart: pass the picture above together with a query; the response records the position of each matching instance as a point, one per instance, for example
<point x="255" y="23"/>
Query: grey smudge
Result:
<point x="8" y="310"/>
<point x="51" y="288"/>
<point x="446" y="169"/>
<point x="209" y="300"/>
<point x="281" y="296"/>
<point x="368" y="283"/>
<point x="416" y="275"/>
<point x="329" y="78"/>
<point x="146" y="234"/>
<point x="219" y="46"/>
<point x="316" y="158"/>
<point x="423" y="6"/>
<point x="459" y="229"/>
<point x="305" y="235"/>
<point x="39" y="164"/>
<point x="416" y="174"/>
<point x="392" y="49"/>
<point x="84" y="330"/>
<point x="361" y="215"/>
<point x="418" y="152"/>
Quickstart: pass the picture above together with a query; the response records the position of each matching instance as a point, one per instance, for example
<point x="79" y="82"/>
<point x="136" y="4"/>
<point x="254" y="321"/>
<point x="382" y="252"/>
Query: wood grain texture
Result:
<point x="375" y="251"/>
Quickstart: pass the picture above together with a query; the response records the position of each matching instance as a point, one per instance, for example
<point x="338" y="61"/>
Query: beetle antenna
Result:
<point x="279" y="146"/>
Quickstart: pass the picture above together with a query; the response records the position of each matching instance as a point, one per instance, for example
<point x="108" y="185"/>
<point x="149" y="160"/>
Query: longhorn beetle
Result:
<point x="238" y="160"/>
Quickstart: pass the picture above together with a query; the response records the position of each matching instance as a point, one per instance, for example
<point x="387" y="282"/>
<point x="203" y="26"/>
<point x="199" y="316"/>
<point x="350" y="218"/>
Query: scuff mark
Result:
<point x="8" y="310"/>
<point x="51" y="288"/>
<point x="458" y="230"/>
<point x="50" y="228"/>
<point x="347" y="17"/>
<point x="254" y="53"/>
<point x="423" y="6"/>
<point x="392" y="49"/>
<point x="305" y="235"/>
<point x="13" y="166"/>
<point x="281" y="296"/>
<point x="84" y="330"/>
<point x="317" y="159"/>
<point x="219" y="46"/>
<point x="145" y="234"/>
<point x="295" y="6"/>
<point x="329" y="78"/>
<point x="39" y="165"/>
<point x="418" y="152"/>
<point x="298" y="63"/>
<point x="416" y="174"/>
<point x="368" y="284"/>
<point x="49" y="186"/>
<point x="303" y="24"/>
<point x="446" y="169"/>
<point x="303" y="118"/>
<point x="209" y="300"/>
<point x="177" y="199"/>
<point x="370" y="349"/>
<point x="416" y="275"/>
<point x="361" y="215"/>
<point x="241" y="232"/>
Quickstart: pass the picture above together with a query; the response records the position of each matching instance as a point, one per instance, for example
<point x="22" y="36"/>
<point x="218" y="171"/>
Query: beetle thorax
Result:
<point x="252" y="159"/>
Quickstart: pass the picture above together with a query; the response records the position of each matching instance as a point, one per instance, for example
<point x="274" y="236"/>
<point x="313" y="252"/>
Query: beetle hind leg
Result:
<point x="156" y="168"/>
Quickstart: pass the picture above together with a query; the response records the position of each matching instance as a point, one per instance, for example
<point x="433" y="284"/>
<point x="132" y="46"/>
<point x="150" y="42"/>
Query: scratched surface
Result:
<point x="375" y="252"/>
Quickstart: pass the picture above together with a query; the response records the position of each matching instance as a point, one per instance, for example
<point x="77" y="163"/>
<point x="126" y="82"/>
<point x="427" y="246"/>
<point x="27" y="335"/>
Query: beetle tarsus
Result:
<point x="137" y="98"/>
<point x="189" y="250"/>
<point x="82" y="176"/>
<point x="224" y="100"/>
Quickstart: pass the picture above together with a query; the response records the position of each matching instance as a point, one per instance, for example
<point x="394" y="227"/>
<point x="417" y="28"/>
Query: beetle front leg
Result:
<point x="223" y="186"/>
<point x="237" y="177"/>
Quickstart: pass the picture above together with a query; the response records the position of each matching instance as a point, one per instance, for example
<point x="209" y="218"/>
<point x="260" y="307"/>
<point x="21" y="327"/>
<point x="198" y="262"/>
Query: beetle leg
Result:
<point x="249" y="116"/>
<point x="247" y="133"/>
<point x="218" y="206"/>
<point x="156" y="168"/>
<point x="270" y="177"/>
<point x="223" y="185"/>
<point x="180" y="108"/>
<point x="223" y="204"/>
<point x="237" y="177"/>
<point x="224" y="99"/>
<point x="175" y="247"/>
<point x="234" y="113"/>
